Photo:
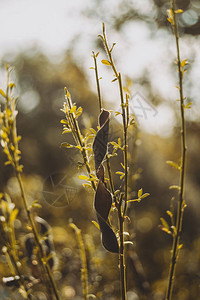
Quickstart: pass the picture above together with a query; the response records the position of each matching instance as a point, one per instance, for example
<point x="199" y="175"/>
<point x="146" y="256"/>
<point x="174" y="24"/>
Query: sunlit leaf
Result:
<point x="83" y="177"/>
<point x="106" y="62"/>
<point x="73" y="109"/>
<point x="66" y="145"/>
<point x="96" y="224"/>
<point x="173" y="164"/>
<point x="140" y="193"/>
<point x="144" y="195"/>
<point x="2" y="93"/>
<point x="164" y="223"/>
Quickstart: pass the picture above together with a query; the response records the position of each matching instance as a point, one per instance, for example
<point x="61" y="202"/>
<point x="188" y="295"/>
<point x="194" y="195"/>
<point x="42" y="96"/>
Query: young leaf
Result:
<point x="73" y="109"/>
<point x="140" y="193"/>
<point x="164" y="223"/>
<point x="2" y="93"/>
<point x="83" y="177"/>
<point x="106" y="62"/>
<point x="96" y="224"/>
<point x="144" y="195"/>
<point x="173" y="164"/>
<point x="66" y="145"/>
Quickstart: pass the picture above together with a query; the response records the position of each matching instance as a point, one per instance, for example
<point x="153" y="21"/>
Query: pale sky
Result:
<point x="53" y="26"/>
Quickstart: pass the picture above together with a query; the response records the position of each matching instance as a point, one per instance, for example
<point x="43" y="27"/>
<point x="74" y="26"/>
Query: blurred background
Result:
<point x="50" y="43"/>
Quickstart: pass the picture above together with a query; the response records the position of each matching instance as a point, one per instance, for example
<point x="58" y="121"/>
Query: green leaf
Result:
<point x="73" y="109"/>
<point x="164" y="223"/>
<point x="64" y="121"/>
<point x="173" y="164"/>
<point x="11" y="85"/>
<point x="174" y="187"/>
<point x="178" y="11"/>
<point x="36" y="204"/>
<point x="188" y="105"/>
<point x="114" y="144"/>
<point x="93" y="131"/>
<point x="66" y="145"/>
<point x="120" y="173"/>
<point x="132" y="122"/>
<point x="128" y="242"/>
<point x="13" y="215"/>
<point x="119" y="142"/>
<point x="169" y="213"/>
<point x="66" y="130"/>
<point x="2" y="93"/>
<point x="83" y="177"/>
<point x="134" y="200"/>
<point x="96" y="224"/>
<point x="140" y="193"/>
<point x="106" y="62"/>
<point x="180" y="246"/>
<point x="117" y="113"/>
<point x="144" y="195"/>
<point x="79" y="112"/>
<point x="165" y="229"/>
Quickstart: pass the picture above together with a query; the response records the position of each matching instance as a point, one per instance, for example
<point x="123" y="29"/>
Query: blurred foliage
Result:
<point x="43" y="159"/>
<point x="40" y="83"/>
<point x="152" y="12"/>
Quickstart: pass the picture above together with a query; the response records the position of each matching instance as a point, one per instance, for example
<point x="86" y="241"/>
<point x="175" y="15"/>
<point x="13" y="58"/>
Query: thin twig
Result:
<point x="181" y="203"/>
<point x="84" y="272"/>
<point x="123" y="196"/>
<point x="15" y="162"/>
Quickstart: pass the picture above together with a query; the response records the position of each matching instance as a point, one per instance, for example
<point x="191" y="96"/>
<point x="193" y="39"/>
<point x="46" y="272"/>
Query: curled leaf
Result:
<point x="109" y="239"/>
<point x="103" y="202"/>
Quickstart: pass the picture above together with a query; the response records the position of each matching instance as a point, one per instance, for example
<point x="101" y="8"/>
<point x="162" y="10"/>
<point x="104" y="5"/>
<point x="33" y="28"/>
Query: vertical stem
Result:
<point x="97" y="80"/>
<point x="100" y="107"/>
<point x="121" y="255"/>
<point x="180" y="209"/>
<point x="84" y="273"/>
<point x="45" y="265"/>
<point x="123" y="197"/>
<point x="10" y="102"/>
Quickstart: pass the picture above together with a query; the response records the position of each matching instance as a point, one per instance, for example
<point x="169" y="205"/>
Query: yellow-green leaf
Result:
<point x="2" y="93"/>
<point x="173" y="164"/>
<point x="106" y="62"/>
<point x="144" y="195"/>
<point x="140" y="193"/>
<point x="96" y="224"/>
<point x="174" y="187"/>
<point x="169" y="213"/>
<point x="164" y="223"/>
<point x="83" y="177"/>
<point x="73" y="109"/>
<point x="13" y="215"/>
<point x="178" y="11"/>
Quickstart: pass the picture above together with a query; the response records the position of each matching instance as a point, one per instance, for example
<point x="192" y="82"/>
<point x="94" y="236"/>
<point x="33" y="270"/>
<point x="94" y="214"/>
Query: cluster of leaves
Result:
<point x="8" y="133"/>
<point x="38" y="243"/>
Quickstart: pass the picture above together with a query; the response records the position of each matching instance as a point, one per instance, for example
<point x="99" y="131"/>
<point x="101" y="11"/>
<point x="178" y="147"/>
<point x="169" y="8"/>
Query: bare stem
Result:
<point x="44" y="264"/>
<point x="84" y="273"/>
<point x="123" y="196"/>
<point x="97" y="80"/>
<point x="181" y="203"/>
